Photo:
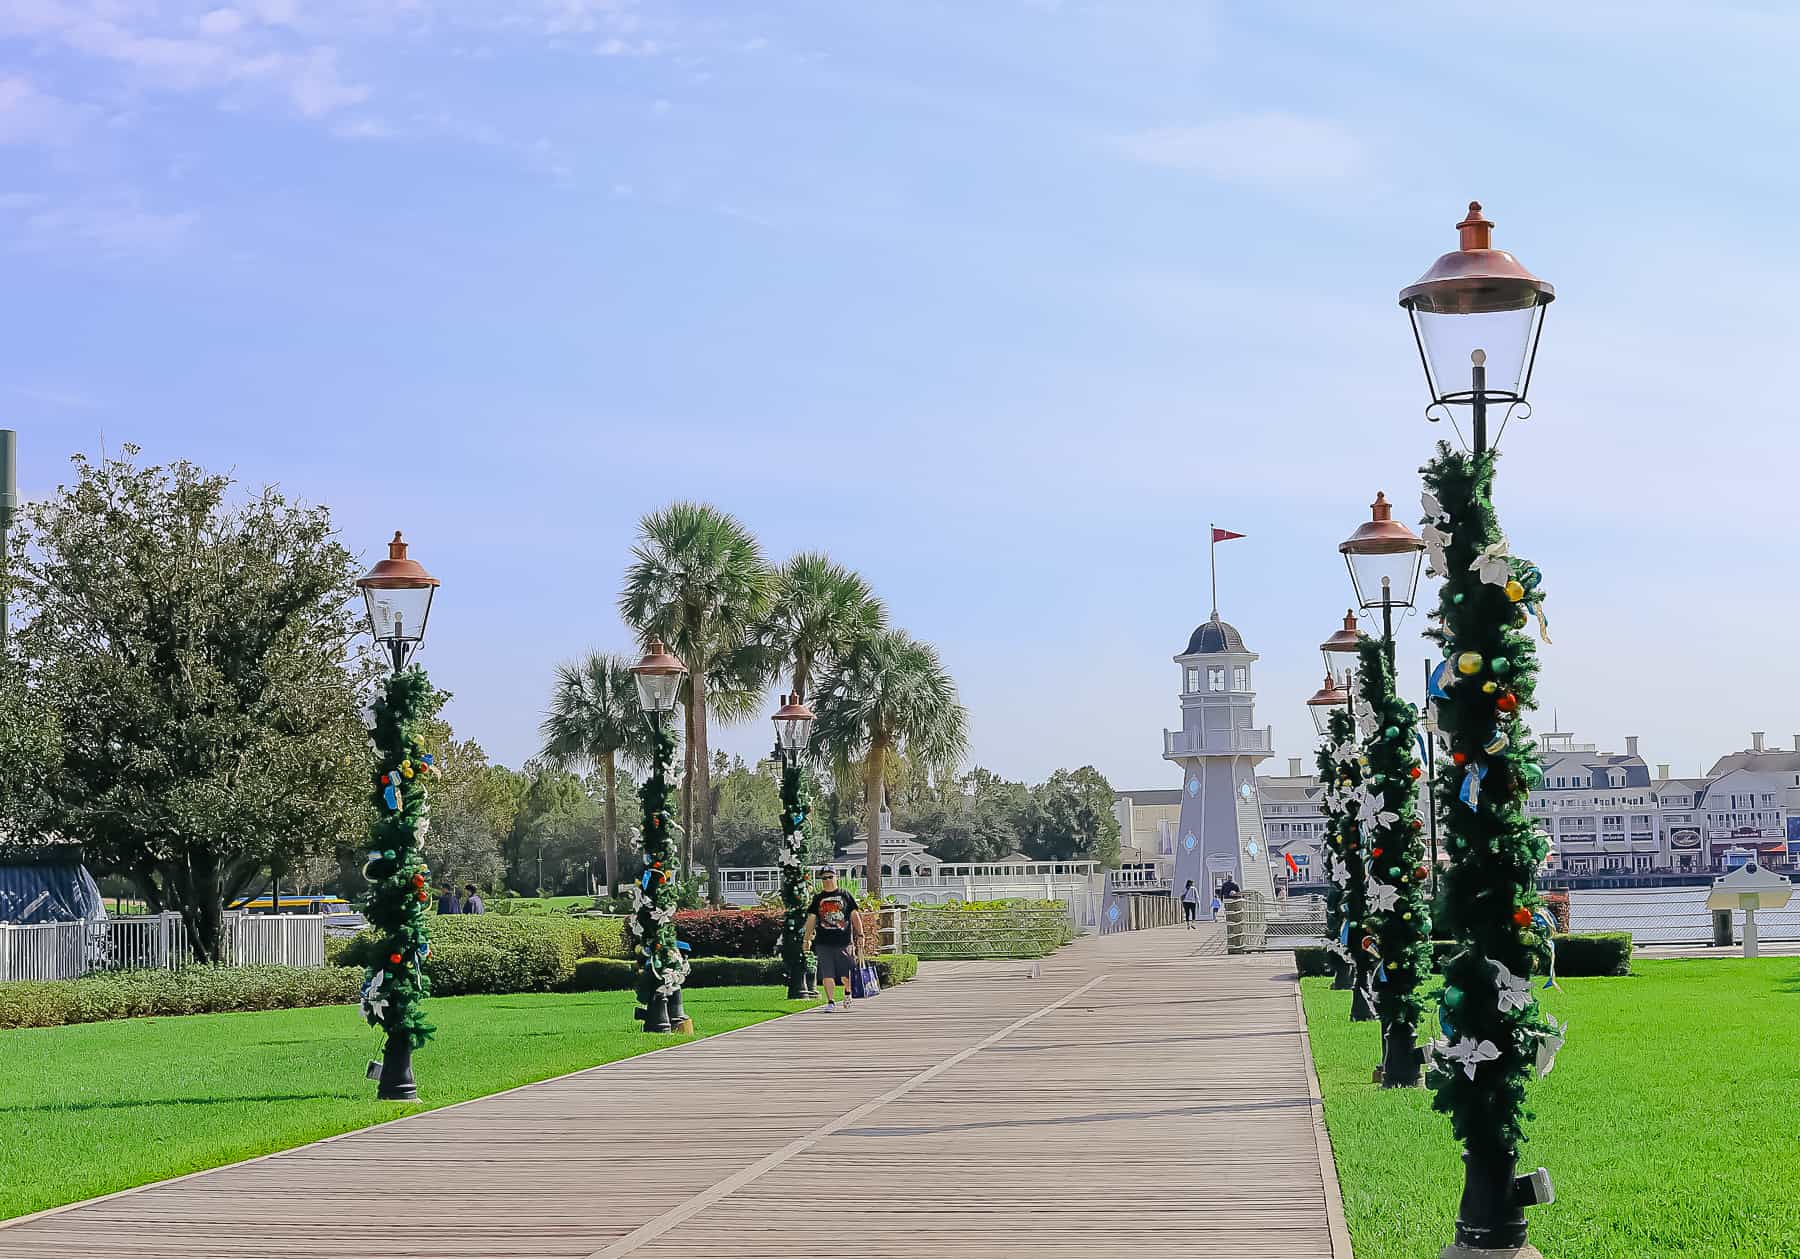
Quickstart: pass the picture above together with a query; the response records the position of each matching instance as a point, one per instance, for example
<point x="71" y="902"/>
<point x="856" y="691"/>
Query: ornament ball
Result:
<point x="1469" y="663"/>
<point x="1459" y="758"/>
<point x="1507" y="702"/>
<point x="1514" y="591"/>
<point x="1522" y="916"/>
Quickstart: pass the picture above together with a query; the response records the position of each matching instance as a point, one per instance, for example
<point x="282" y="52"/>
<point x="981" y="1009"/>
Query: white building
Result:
<point x="1598" y="808"/>
<point x="1292" y="823"/>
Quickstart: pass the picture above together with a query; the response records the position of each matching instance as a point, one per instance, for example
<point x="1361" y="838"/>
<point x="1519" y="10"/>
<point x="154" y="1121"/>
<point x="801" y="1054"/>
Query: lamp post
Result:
<point x="1477" y="310"/>
<point x="1329" y="707"/>
<point x="661" y="966"/>
<point x="1340" y="651"/>
<point x="793" y="724"/>
<point x="1384" y="558"/>
<point x="397" y="593"/>
<point x="1429" y="727"/>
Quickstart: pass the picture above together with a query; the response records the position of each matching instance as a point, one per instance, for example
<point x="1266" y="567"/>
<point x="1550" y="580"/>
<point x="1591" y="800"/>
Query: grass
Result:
<point x="1667" y="1124"/>
<point x="99" y="1107"/>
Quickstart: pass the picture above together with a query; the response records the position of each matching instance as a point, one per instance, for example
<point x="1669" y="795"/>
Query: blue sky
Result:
<point x="999" y="302"/>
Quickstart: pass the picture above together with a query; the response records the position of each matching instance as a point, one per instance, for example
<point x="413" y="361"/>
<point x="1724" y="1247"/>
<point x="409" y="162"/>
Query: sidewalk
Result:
<point x="1138" y="1099"/>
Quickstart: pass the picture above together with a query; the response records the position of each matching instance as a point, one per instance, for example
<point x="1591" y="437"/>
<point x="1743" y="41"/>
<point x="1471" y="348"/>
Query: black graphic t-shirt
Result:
<point x="833" y="910"/>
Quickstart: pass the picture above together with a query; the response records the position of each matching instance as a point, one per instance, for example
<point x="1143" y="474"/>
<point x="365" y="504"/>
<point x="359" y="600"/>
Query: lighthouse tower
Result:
<point x="1218" y="748"/>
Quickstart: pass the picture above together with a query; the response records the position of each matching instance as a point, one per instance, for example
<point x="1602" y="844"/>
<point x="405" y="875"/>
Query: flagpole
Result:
<point x="1212" y="555"/>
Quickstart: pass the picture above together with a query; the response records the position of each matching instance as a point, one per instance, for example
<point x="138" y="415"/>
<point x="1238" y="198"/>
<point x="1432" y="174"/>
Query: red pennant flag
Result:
<point x="1293" y="867"/>
<point x="1224" y="535"/>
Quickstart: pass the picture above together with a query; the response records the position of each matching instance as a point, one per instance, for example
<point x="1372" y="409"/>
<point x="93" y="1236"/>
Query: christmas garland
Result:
<point x="1345" y="863"/>
<point x="794" y="810"/>
<point x="1399" y="913"/>
<point x="662" y="960"/>
<point x="395" y="988"/>
<point x="1496" y="1037"/>
<point x="1339" y="733"/>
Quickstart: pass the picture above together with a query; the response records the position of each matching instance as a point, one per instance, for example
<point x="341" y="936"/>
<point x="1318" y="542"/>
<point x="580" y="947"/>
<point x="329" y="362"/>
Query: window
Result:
<point x="1240" y="678"/>
<point x="1193" y="678"/>
<point x="1215" y="679"/>
<point x="1640" y="863"/>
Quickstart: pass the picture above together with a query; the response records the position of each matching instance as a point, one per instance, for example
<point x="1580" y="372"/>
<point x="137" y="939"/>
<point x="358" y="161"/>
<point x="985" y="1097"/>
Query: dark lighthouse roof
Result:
<point x="1214" y="636"/>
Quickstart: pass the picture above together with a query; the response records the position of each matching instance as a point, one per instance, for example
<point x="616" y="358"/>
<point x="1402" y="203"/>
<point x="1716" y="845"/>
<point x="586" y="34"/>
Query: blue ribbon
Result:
<point x="1434" y="686"/>
<point x="1472" y="775"/>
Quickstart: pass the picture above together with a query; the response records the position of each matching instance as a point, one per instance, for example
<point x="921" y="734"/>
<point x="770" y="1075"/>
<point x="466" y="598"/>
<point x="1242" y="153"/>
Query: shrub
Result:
<point x="1011" y="928"/>
<point x="729" y="932"/>
<point x="603" y="974"/>
<point x="192" y="990"/>
<point x="896" y="968"/>
<point x="526" y="934"/>
<point x="1577" y="956"/>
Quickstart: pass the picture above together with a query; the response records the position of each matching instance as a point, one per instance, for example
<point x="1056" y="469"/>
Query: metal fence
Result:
<point x="999" y="931"/>
<point x="65" y="950"/>
<point x="1255" y="924"/>
<point x="1670" y="915"/>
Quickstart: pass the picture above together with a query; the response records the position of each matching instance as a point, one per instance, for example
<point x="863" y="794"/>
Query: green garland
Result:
<point x="1496" y="1036"/>
<point x="1347" y="866"/>
<point x="662" y="966"/>
<point x="1339" y="733"/>
<point x="1399" y="914"/>
<point x="395" y="988"/>
<point x="795" y="807"/>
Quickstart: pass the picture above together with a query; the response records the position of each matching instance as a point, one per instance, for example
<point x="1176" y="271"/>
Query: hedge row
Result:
<point x="191" y="990"/>
<point x="606" y="974"/>
<point x="494" y="953"/>
<point x="991" y="929"/>
<point x="1577" y="956"/>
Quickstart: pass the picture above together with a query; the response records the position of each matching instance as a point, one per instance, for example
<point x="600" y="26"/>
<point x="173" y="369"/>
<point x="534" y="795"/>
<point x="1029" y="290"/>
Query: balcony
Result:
<point x="1218" y="742"/>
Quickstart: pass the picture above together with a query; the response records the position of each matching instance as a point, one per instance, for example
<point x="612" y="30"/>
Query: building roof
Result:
<point x="1764" y="762"/>
<point x="1214" y="636"/>
<point x="1146" y="799"/>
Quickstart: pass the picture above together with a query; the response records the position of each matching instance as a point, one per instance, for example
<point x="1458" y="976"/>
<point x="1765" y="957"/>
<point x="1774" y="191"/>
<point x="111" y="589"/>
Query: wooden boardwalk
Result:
<point x="1140" y="1098"/>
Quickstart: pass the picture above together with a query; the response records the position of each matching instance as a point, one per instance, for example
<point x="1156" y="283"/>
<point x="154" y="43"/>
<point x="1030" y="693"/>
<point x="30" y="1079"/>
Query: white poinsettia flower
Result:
<point x="1493" y="565"/>
<point x="1383" y="897"/>
<point x="1467" y="1053"/>
<point x="1513" y="991"/>
<point x="1433" y="508"/>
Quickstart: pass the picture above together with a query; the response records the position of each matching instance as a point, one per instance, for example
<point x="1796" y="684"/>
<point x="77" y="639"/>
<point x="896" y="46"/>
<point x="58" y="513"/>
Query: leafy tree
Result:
<point x="699" y="582"/>
<point x="30" y="755"/>
<point x="820" y="610"/>
<point x="890" y="693"/>
<point x="1073" y="818"/>
<point x="473" y="805"/>
<point x="594" y="722"/>
<point x="191" y="653"/>
<point x="557" y="826"/>
<point x="983" y="817"/>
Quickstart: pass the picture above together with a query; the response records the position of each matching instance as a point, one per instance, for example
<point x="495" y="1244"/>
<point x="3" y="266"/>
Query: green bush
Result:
<point x="896" y="968"/>
<point x="603" y="974"/>
<point x="538" y="951"/>
<point x="1599" y="954"/>
<point x="192" y="990"/>
<point x="1577" y="956"/>
<point x="1006" y="928"/>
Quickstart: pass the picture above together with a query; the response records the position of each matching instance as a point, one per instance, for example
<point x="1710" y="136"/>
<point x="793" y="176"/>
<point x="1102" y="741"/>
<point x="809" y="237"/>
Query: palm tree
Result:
<point x="821" y="610"/>
<point x="594" y="722"/>
<point x="889" y="694"/>
<point x="699" y="582"/>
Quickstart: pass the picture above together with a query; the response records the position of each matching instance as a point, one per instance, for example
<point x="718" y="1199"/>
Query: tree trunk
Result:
<point x="874" y="772"/>
<point x="609" y="838"/>
<point x="703" y="790"/>
<point x="802" y="678"/>
<point x="687" y="787"/>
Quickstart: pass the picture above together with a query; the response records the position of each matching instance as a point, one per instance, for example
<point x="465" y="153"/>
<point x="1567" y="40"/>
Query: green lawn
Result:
<point x="1668" y="1124"/>
<point x="91" y="1109"/>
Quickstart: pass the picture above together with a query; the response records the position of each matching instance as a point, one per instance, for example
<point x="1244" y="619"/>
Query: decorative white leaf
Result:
<point x="1468" y="1054"/>
<point x="1548" y="1045"/>
<point x="1513" y="992"/>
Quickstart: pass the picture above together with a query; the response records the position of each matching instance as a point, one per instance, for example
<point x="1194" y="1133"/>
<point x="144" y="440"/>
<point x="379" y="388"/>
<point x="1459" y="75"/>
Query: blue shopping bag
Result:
<point x="863" y="981"/>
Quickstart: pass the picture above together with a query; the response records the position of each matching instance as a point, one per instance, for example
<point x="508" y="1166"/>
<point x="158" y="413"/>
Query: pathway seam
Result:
<point x="684" y="1211"/>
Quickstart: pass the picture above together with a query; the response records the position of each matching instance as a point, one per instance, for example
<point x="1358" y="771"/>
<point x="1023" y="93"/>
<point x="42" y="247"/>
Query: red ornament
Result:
<point x="1522" y="916"/>
<point x="422" y="895"/>
<point x="1376" y="853"/>
<point x="418" y="880"/>
<point x="1460" y="758"/>
<point x="1507" y="702"/>
<point x="394" y="958"/>
<point x="1420" y="874"/>
<point x="1414" y="772"/>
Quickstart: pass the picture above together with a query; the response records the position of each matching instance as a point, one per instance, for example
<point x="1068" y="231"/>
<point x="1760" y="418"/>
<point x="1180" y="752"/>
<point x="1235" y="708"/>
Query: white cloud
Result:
<point x="222" y="22"/>
<point x="616" y="47"/>
<point x="110" y="228"/>
<point x="1252" y="148"/>
<point x="31" y="116"/>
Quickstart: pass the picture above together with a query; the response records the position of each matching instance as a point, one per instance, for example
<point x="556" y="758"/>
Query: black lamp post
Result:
<point x="1478" y="310"/>
<point x="1329" y="707"/>
<point x="397" y="592"/>
<point x="793" y="723"/>
<point x="661" y="966"/>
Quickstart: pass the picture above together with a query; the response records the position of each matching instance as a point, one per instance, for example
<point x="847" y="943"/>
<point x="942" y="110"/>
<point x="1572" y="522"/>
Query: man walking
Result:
<point x="834" y="936"/>
<point x="472" y="900"/>
<point x="447" y="902"/>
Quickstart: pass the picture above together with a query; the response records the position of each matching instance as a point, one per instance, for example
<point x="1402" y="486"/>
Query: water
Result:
<point x="1671" y="915"/>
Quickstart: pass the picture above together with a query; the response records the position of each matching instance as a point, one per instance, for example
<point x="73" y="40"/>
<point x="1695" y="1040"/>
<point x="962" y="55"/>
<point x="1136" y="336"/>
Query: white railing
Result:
<point x="1218" y="742"/>
<point x="65" y="950"/>
<point x="1253" y="923"/>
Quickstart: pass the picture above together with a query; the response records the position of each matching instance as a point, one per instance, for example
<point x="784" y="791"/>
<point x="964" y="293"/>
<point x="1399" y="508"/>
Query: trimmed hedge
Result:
<point x="606" y="974"/>
<point x="1577" y="956"/>
<point x="485" y="953"/>
<point x="729" y="932"/>
<point x="191" y="990"/>
<point x="989" y="929"/>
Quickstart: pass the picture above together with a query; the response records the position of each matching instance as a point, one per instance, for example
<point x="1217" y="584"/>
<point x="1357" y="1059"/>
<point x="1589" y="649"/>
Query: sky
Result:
<point x="1000" y="302"/>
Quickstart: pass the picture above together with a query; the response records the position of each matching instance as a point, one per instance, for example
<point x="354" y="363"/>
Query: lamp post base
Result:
<point x="1360" y="1009"/>
<point x="677" y="1016"/>
<point x="396" y="1070"/>
<point x="1402" y="1063"/>
<point x="1509" y="1252"/>
<point x="655" y="1013"/>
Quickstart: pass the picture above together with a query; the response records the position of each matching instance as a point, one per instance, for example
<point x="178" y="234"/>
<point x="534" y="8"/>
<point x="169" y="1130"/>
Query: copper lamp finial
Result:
<point x="1475" y="231"/>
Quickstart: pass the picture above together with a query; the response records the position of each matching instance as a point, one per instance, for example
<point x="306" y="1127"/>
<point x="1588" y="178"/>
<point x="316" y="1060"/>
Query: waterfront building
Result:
<point x="1599" y="809"/>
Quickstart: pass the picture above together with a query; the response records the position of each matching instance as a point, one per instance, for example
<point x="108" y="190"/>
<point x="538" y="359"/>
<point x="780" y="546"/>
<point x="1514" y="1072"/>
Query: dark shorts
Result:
<point x="836" y="961"/>
<point x="1188" y="908"/>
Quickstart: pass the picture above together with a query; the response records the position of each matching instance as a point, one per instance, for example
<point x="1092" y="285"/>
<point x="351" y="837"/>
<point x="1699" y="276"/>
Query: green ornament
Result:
<point x="1500" y="665"/>
<point x="1453" y="998"/>
<point x="1391" y="732"/>
<point x="1393" y="872"/>
<point x="1456" y="598"/>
